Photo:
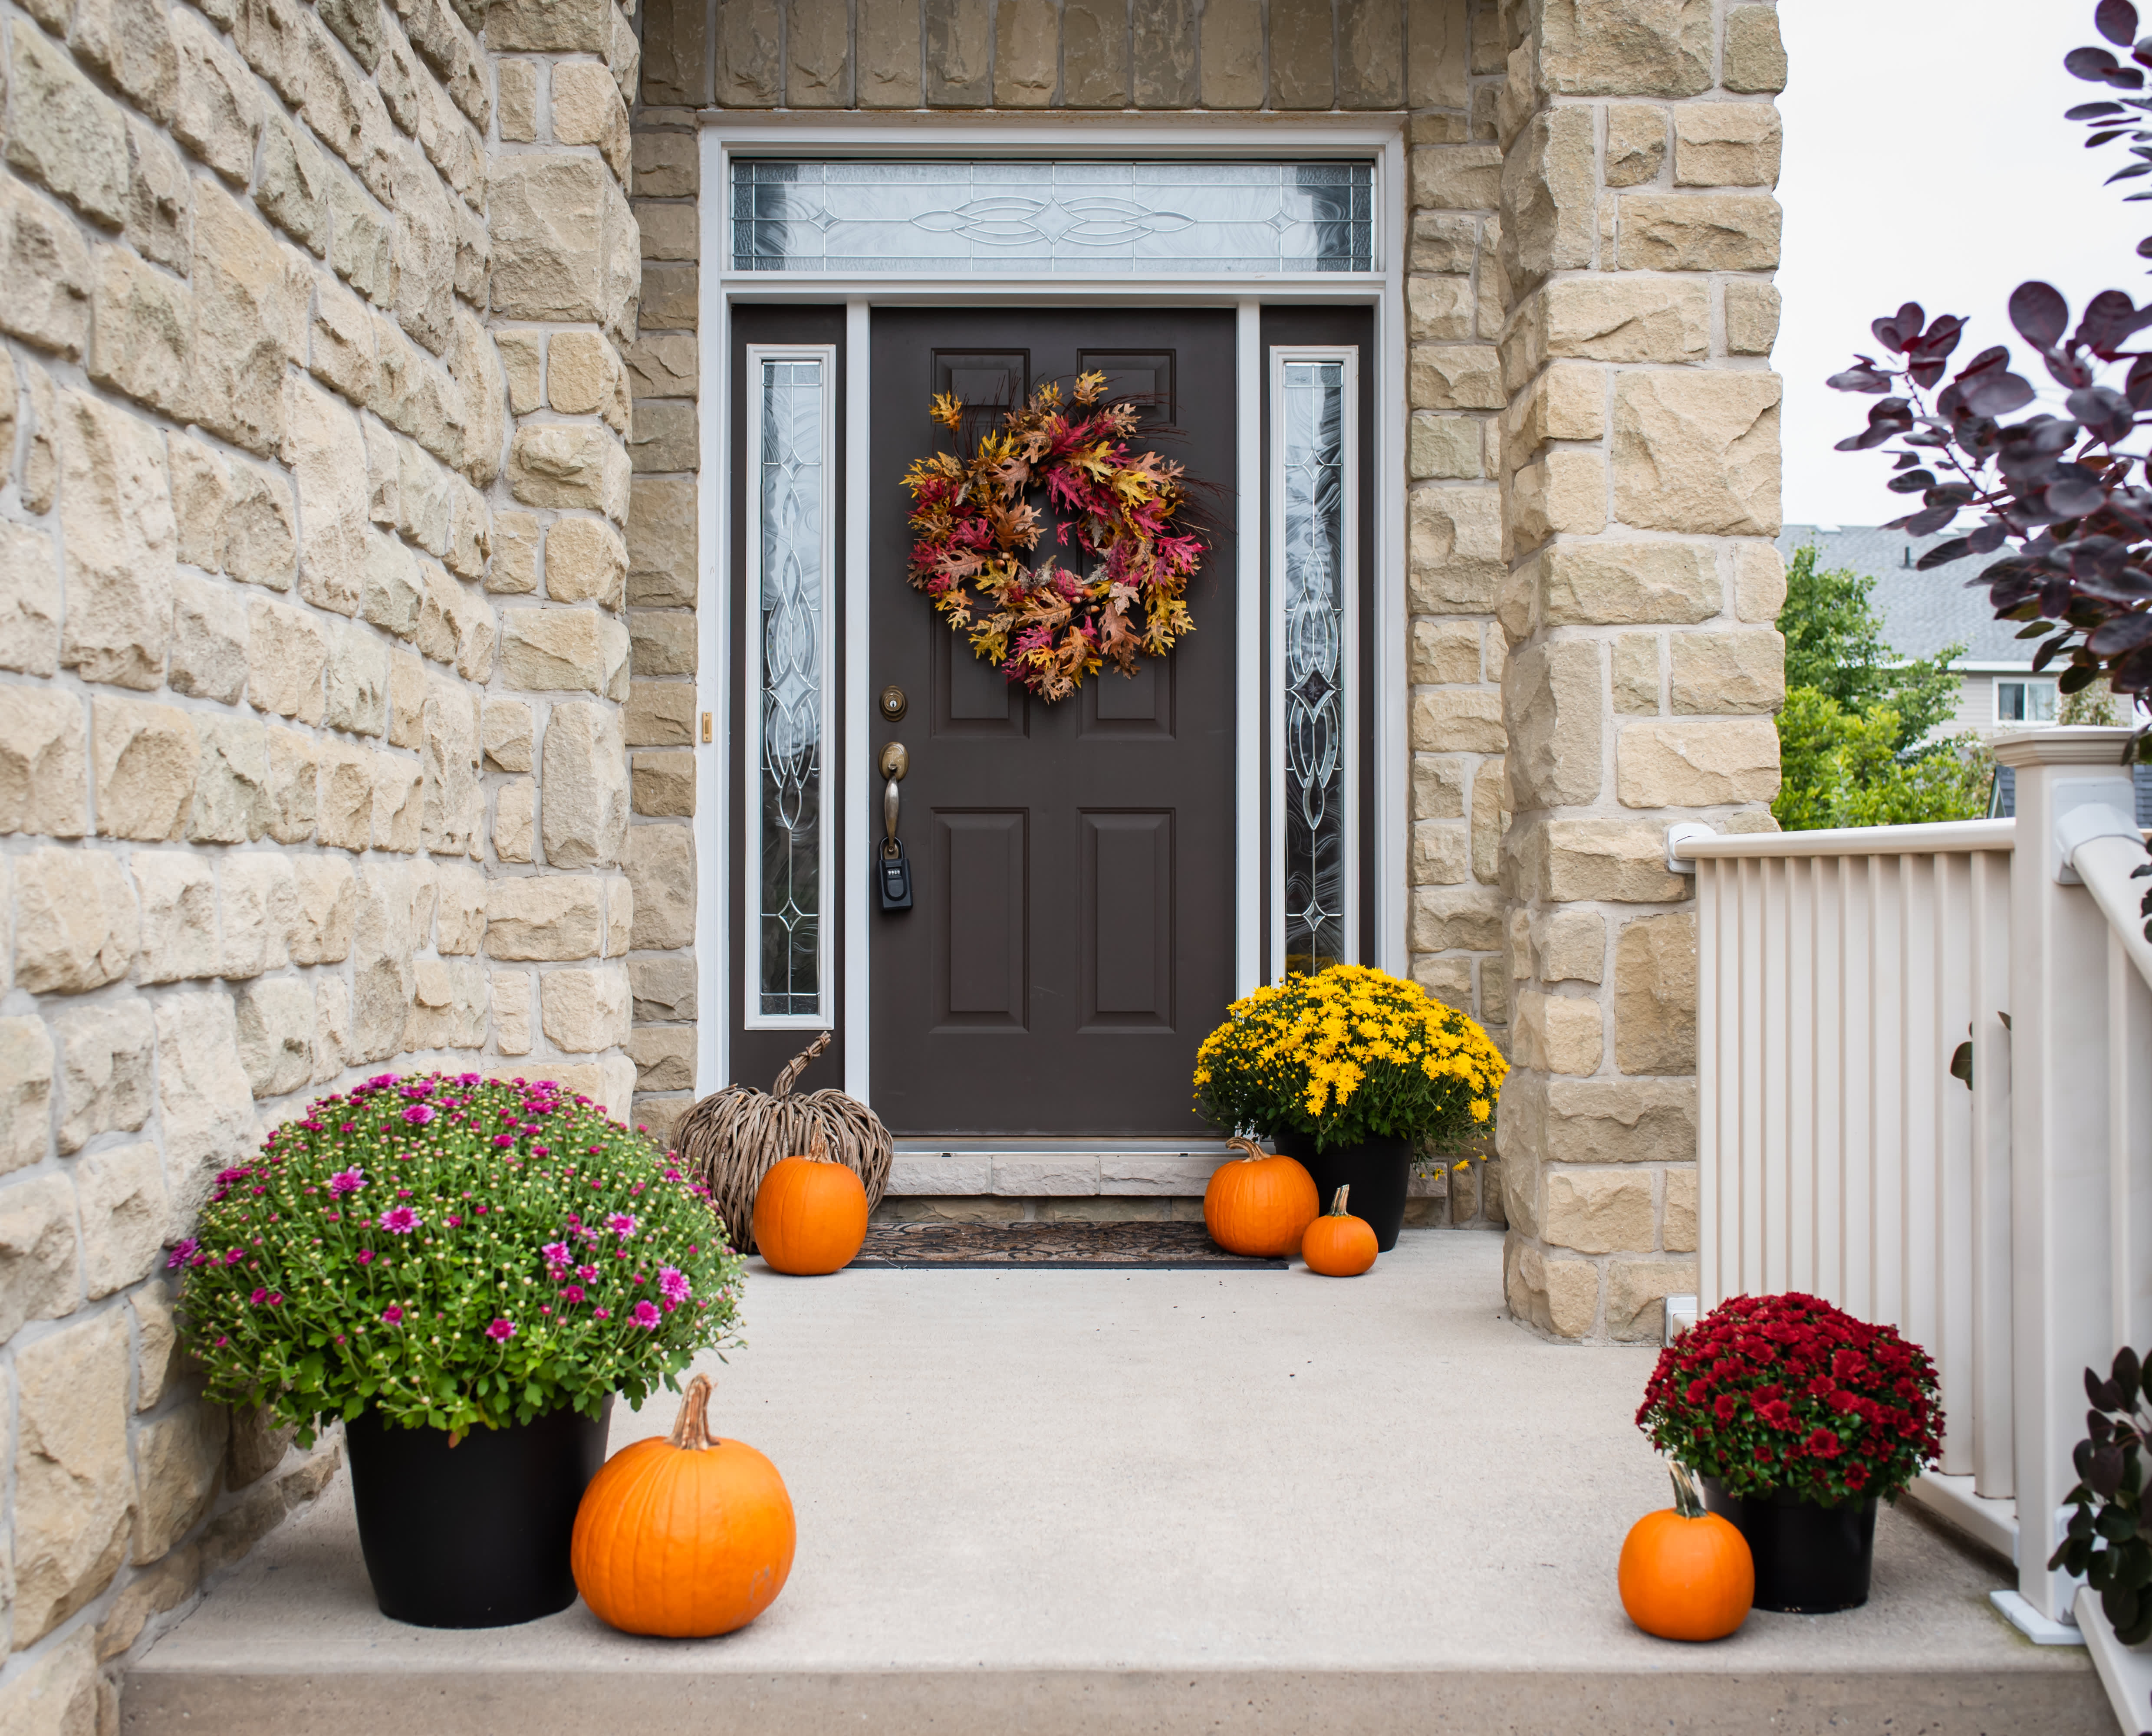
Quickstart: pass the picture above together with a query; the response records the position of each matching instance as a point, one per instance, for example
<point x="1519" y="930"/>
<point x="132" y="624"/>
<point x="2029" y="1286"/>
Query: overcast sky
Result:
<point x="1926" y="159"/>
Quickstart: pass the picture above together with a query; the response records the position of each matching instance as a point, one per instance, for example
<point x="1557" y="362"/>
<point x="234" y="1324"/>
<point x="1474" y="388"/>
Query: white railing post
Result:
<point x="2060" y="1200"/>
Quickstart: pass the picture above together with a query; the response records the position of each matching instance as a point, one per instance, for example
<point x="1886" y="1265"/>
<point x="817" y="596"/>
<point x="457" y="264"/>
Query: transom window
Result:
<point x="1052" y="219"/>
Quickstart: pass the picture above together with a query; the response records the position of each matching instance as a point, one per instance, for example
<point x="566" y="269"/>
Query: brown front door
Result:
<point x="1070" y="939"/>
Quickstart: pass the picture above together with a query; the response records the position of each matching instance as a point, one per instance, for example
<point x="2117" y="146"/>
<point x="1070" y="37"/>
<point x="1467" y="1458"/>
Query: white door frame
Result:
<point x="1195" y="135"/>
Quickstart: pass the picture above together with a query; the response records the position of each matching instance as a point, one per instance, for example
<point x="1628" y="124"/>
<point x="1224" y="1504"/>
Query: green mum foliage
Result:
<point x="453" y="1253"/>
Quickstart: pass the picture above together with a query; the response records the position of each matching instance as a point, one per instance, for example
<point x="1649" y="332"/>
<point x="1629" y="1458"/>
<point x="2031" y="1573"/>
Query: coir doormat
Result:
<point x="1122" y="1244"/>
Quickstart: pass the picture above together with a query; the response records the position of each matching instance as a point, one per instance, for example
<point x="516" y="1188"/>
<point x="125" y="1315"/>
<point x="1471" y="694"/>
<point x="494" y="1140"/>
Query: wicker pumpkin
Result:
<point x="1686" y="1574"/>
<point x="1339" y="1245"/>
<point x="685" y="1537"/>
<point x="810" y="1215"/>
<point x="1257" y="1204"/>
<point x="731" y="1141"/>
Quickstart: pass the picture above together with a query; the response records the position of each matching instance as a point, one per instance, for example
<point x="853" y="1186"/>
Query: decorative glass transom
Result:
<point x="1052" y="219"/>
<point x="1311" y="424"/>
<point x="790" y="549"/>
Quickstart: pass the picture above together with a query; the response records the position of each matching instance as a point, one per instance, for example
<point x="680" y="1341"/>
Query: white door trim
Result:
<point x="1193" y="135"/>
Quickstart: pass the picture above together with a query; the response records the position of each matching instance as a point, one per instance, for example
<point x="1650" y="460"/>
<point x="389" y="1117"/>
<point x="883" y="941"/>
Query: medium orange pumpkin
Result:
<point x="1687" y="1574"/>
<point x="1259" y="1205"/>
<point x="810" y="1215"/>
<point x="1339" y="1245"/>
<point x="684" y="1537"/>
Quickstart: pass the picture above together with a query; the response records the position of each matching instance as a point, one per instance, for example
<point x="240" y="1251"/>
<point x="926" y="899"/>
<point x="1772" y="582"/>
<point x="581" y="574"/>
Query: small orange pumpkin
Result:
<point x="1259" y="1205"/>
<point x="1339" y="1245"/>
<point x="811" y="1214"/>
<point x="683" y="1537"/>
<point x="1687" y="1574"/>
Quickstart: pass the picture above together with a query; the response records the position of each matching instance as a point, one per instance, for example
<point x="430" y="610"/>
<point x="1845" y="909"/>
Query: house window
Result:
<point x="1313" y="479"/>
<point x="2025" y="702"/>
<point x="1032" y="219"/>
<point x="789" y="554"/>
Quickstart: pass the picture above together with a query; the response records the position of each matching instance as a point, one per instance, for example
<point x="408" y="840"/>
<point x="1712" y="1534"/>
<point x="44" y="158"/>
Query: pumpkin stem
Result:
<point x="818" y="1148"/>
<point x="1687" y="1501"/>
<point x="1338" y="1201"/>
<point x="690" y="1428"/>
<point x="1250" y="1151"/>
<point x="797" y="1065"/>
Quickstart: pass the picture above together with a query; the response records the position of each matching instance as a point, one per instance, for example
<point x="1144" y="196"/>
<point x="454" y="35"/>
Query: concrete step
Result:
<point x="1071" y="1503"/>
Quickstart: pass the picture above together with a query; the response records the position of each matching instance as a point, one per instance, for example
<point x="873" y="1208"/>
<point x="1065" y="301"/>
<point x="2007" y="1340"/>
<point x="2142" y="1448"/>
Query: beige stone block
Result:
<point x="1455" y="919"/>
<point x="1454" y="545"/>
<point x="1440" y="854"/>
<point x="333" y="1048"/>
<point x="116" y="522"/>
<point x="76" y="926"/>
<point x="362" y="247"/>
<point x="1302" y="56"/>
<point x="75" y="1492"/>
<point x="209" y="639"/>
<point x="1550" y="196"/>
<point x="1754" y="57"/>
<point x="453" y="805"/>
<point x="157" y="202"/>
<point x="1726" y="145"/>
<point x="583" y="821"/>
<point x="1700" y="232"/>
<point x="448" y="1005"/>
<point x="1637" y="673"/>
<point x="63" y="131"/>
<point x="1564" y="402"/>
<point x="385" y="973"/>
<point x="160" y="1358"/>
<point x="1618" y="583"/>
<point x="1565" y="491"/>
<point x="326" y="894"/>
<point x="1728" y="672"/>
<point x="340" y="351"/>
<point x="259" y="897"/>
<point x="1610" y="860"/>
<point x="1697" y="765"/>
<point x="58" y="1690"/>
<point x="1559" y="1033"/>
<point x="1445" y="650"/>
<point x="202" y="496"/>
<point x="41" y="463"/>
<point x="569" y="465"/>
<point x="619" y="916"/>
<point x="1458" y="720"/>
<point x="26" y="1092"/>
<point x="125" y="1215"/>
<point x="514" y="568"/>
<point x="1552" y="711"/>
<point x="1636" y="142"/>
<point x="45" y="277"/>
<point x="231" y="781"/>
<point x="250" y="301"/>
<point x="1644" y="47"/>
<point x="178" y="896"/>
<point x="1636" y="1290"/>
<point x="663" y="785"/>
<point x="1623" y="319"/>
<point x="585" y="561"/>
<point x="292" y="187"/>
<point x="1444" y="243"/>
<point x="459" y="920"/>
<point x="585" y="1011"/>
<point x="1234" y="72"/>
<point x="143" y="335"/>
<point x="1445" y="978"/>
<point x="1490" y="820"/>
<point x="511" y="1012"/>
<point x="1438" y="788"/>
<point x="1752" y="317"/>
<point x="506" y="734"/>
<point x="1371" y="71"/>
<point x="664" y="987"/>
<point x="44" y="762"/>
<point x="549" y="916"/>
<point x="144" y="757"/>
<point x="40" y="1260"/>
<point x="1626" y="1121"/>
<point x="1597" y="1211"/>
<point x="106" y="1050"/>
<point x="1655" y="995"/>
<point x="667" y="164"/>
<point x="287" y="652"/>
<point x="292" y="786"/>
<point x="587" y="110"/>
<point x="661" y="871"/>
<point x="425" y="499"/>
<point x="329" y="462"/>
<point x="660" y="714"/>
<point x="1574" y="946"/>
<point x="1759" y="581"/>
<point x="261" y="529"/>
<point x="663" y="365"/>
<point x="1456" y="376"/>
<point x="563" y="238"/>
<point x="1448" y="448"/>
<point x="456" y="624"/>
<point x="29" y="598"/>
<point x="1697" y="452"/>
<point x="563" y="650"/>
<point x="664" y="1061"/>
<point x="580" y="372"/>
<point x="179" y="1459"/>
<point x="392" y="588"/>
<point x="276" y="1021"/>
<point x="522" y="365"/>
<point x="398" y="802"/>
<point x="515" y="821"/>
<point x="661" y="542"/>
<point x="356" y="691"/>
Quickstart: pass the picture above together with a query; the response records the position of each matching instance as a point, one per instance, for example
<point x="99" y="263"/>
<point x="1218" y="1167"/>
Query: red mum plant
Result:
<point x="1771" y="1393"/>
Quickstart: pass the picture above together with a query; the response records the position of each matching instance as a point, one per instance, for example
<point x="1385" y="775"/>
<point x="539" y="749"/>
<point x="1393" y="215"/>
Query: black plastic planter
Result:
<point x="1809" y="1559"/>
<point x="475" y="1534"/>
<point x="1377" y="1171"/>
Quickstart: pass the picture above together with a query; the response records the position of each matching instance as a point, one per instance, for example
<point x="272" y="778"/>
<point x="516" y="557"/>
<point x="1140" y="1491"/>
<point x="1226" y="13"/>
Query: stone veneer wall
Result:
<point x="1638" y="147"/>
<point x="312" y="488"/>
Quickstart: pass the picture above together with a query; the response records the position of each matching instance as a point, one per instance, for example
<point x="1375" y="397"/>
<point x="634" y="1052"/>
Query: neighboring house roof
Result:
<point x="1922" y="612"/>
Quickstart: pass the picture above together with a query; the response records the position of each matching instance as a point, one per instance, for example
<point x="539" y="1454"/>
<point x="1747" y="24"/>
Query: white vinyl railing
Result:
<point x="1925" y="1095"/>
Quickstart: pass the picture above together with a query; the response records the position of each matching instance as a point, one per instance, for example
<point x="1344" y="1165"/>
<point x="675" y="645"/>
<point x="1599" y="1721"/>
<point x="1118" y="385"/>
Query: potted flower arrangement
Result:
<point x="1347" y="1070"/>
<point x="1798" y="1418"/>
<point x="464" y="1273"/>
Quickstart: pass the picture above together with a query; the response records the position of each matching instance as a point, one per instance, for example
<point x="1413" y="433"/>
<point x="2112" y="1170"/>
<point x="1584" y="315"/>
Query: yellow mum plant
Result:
<point x="1348" y="1054"/>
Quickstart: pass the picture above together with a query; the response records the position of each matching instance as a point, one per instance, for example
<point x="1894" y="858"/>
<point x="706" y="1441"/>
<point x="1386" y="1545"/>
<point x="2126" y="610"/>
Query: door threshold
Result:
<point x="970" y="1164"/>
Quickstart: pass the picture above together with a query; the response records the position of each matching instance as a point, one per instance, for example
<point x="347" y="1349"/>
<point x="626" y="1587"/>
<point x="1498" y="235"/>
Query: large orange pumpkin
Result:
<point x="1687" y="1574"/>
<point x="1339" y="1245"/>
<point x="810" y="1215"/>
<point x="687" y="1536"/>
<point x="1259" y="1205"/>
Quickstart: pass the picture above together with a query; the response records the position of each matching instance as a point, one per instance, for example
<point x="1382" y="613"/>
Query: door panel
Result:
<point x="1070" y="941"/>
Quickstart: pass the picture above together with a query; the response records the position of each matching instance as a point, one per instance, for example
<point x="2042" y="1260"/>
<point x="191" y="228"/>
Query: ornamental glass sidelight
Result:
<point x="1034" y="219"/>
<point x="791" y="538"/>
<point x="1311" y="490"/>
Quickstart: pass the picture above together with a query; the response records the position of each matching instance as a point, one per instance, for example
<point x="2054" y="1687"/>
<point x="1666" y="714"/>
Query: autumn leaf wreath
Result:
<point x="1049" y="626"/>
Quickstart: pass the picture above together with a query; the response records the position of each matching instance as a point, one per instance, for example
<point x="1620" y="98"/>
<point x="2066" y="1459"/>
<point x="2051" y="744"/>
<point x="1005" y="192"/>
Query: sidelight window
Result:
<point x="789" y="545"/>
<point x="1313" y="481"/>
<point x="1052" y="219"/>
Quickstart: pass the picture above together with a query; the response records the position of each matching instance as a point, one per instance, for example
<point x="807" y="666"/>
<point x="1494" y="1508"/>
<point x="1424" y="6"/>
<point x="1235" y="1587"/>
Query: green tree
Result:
<point x="1856" y="739"/>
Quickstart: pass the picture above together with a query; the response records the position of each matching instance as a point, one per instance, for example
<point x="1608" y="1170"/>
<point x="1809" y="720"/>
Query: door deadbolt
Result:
<point x="893" y="702"/>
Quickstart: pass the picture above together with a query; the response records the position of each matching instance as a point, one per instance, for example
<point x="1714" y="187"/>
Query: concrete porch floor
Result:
<point x="1157" y="1502"/>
